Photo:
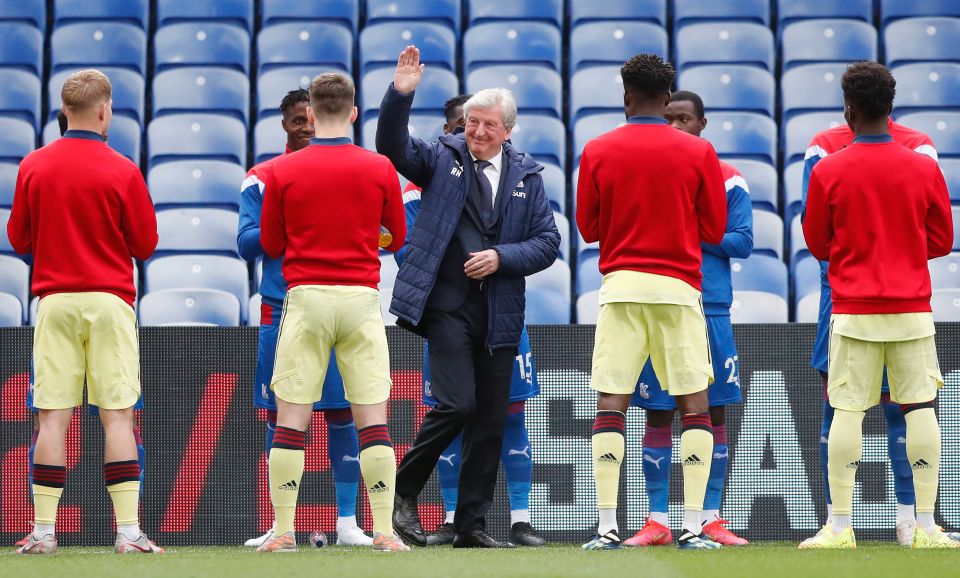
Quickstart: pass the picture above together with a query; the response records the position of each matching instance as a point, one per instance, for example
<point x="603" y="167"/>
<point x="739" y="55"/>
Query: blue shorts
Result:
<point x="263" y="397"/>
<point x="725" y="389"/>
<point x="523" y="387"/>
<point x="94" y="410"/>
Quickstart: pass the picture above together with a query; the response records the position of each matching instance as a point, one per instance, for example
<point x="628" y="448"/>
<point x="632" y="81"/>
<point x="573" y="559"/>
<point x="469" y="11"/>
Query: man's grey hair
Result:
<point x="494" y="97"/>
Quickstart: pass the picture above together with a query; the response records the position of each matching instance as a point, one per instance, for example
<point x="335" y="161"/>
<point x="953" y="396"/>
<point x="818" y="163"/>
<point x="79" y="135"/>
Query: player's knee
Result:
<point x="659" y="418"/>
<point x="698" y="402"/>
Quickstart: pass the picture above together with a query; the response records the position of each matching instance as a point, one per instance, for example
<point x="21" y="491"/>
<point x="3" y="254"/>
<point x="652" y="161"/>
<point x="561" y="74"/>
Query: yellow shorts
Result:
<point x="856" y="371"/>
<point x="92" y="335"/>
<point x="674" y="337"/>
<point x="317" y="318"/>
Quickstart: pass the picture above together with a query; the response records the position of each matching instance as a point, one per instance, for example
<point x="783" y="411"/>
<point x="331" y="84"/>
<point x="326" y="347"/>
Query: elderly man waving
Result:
<point x="484" y="225"/>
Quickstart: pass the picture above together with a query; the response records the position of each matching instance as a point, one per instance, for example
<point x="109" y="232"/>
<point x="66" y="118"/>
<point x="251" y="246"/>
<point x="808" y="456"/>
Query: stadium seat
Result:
<point x="798" y="243"/>
<point x="801" y="129"/>
<point x="944" y="272"/>
<point x="693" y="11"/>
<point x="32" y="12"/>
<point x="201" y="44"/>
<point x="588" y="274"/>
<point x="546" y="307"/>
<point x="826" y="40"/>
<point x="200" y="272"/>
<point x="320" y="45"/>
<point x="762" y="181"/>
<point x="811" y="88"/>
<point x="426" y="127"/>
<point x="544" y="137"/>
<point x="445" y="12"/>
<point x="767" y="234"/>
<point x="942" y="127"/>
<point x="5" y="247"/>
<point x="345" y="12"/>
<point x="253" y="310"/>
<point x="380" y="44"/>
<point x="588" y="307"/>
<point x="20" y="96"/>
<point x="388" y="270"/>
<point x="621" y="10"/>
<point x="731" y="87"/>
<point x="758" y="307"/>
<point x="17" y="139"/>
<point x="11" y="311"/>
<point x="563" y="227"/>
<point x="596" y="90"/>
<point x="921" y="39"/>
<point x="554" y="183"/>
<point x="197" y="231"/>
<point x="94" y="44"/>
<point x="15" y="279"/>
<point x="269" y="139"/>
<point x="956" y="228"/>
<point x="437" y="86"/>
<point x="743" y="134"/>
<point x="792" y="10"/>
<point x="724" y="42"/>
<point x="126" y="136"/>
<point x="8" y="182"/>
<point x="808" y="308"/>
<point x="946" y="304"/>
<point x="505" y="43"/>
<point x="950" y="168"/>
<point x="614" y="42"/>
<point x="21" y="46"/>
<point x="554" y="279"/>
<point x="202" y="89"/>
<point x="793" y="189"/>
<point x="272" y="86"/>
<point x="590" y="127"/>
<point x="386" y="296"/>
<point x="128" y="11"/>
<point x="806" y="277"/>
<point x="128" y="91"/>
<point x="932" y="86"/>
<point x="203" y="307"/>
<point x="891" y="10"/>
<point x="192" y="136"/>
<point x="195" y="183"/>
<point x="484" y="11"/>
<point x="235" y="12"/>
<point x="760" y="273"/>
<point x="536" y="89"/>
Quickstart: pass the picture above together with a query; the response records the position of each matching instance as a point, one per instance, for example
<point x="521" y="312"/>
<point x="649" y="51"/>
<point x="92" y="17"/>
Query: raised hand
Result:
<point x="409" y="70"/>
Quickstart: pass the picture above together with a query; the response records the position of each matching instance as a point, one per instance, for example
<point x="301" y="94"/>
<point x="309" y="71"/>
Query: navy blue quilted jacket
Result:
<point x="527" y="241"/>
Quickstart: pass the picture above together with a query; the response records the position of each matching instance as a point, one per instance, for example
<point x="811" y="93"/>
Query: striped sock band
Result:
<point x="906" y="408"/>
<point x="49" y="476"/>
<point x="289" y="439"/>
<point x="696" y="421"/>
<point x="119" y="472"/>
<point x="610" y="421"/>
<point x="374" y="435"/>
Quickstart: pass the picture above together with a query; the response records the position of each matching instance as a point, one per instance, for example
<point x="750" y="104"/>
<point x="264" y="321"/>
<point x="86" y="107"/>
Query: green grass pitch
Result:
<point x="768" y="560"/>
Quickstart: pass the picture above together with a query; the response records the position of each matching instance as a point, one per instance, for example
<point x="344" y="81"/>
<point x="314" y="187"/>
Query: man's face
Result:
<point x="485" y="132"/>
<point x="297" y="126"/>
<point x="681" y="114"/>
<point x="456" y="122"/>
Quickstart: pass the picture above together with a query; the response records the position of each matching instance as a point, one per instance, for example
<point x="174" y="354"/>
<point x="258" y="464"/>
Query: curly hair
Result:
<point x="293" y="98"/>
<point x="870" y="87"/>
<point x="648" y="75"/>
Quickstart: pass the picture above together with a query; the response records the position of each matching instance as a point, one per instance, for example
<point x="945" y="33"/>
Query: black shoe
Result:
<point x="523" y="534"/>
<point x="478" y="539"/>
<point x="443" y="535"/>
<point x="406" y="521"/>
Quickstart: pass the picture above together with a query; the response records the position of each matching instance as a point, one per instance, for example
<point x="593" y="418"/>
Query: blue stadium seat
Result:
<point x="536" y="89"/>
<point x="792" y="10"/>
<point x="445" y="12"/>
<point x="945" y="272"/>
<point x="950" y="168"/>
<point x="5" y="246"/>
<point x="20" y="96"/>
<point x="186" y="136"/>
<point x="588" y="307"/>
<point x="598" y="89"/>
<point x="94" y="44"/>
<point x="135" y="12"/>
<point x="731" y="87"/>
<point x="386" y="296"/>
<point x="21" y="46"/>
<point x="235" y="12"/>
<point x="931" y="86"/>
<point x="15" y="279"/>
<point x="425" y="126"/>
<point x="808" y="308"/>
<point x="758" y="307"/>
<point x="189" y="307"/>
<point x="956" y="227"/>
<point x="543" y="137"/>
<point x="942" y="127"/>
<point x="891" y="10"/>
<point x="345" y="12"/>
<point x="760" y="273"/>
<point x="17" y="139"/>
<point x="743" y="134"/>
<point x="811" y="88"/>
<point x="200" y="272"/>
<point x="11" y="311"/>
<point x="546" y="307"/>
<point x="693" y="11"/>
<point x="500" y="43"/>
<point x="793" y="189"/>
<point x="195" y="183"/>
<point x="197" y="230"/>
<point x="321" y="45"/>
<point x="581" y="11"/>
<point x="946" y="305"/>
<point x="202" y="89"/>
<point x="724" y="42"/>
<point x="381" y="44"/>
<point x="269" y="139"/>
<point x="563" y="227"/>
<point x="555" y="278"/>
<point x="826" y="40"/>
<point x="126" y="136"/>
<point x="613" y="43"/>
<point x="201" y="44"/>
<point x="800" y="130"/>
<point x="767" y="234"/>
<point x="128" y="91"/>
<point x="554" y="183"/>
<point x="388" y="270"/>
<point x="438" y="86"/>
<point x="272" y="86"/>
<point x="588" y="274"/>
<point x="33" y="12"/>
<point x="806" y="278"/>
<point x="253" y="310"/>
<point x="590" y="127"/>
<point x="484" y="11"/>
<point x="922" y="39"/>
<point x="798" y="243"/>
<point x="8" y="183"/>
<point x="762" y="181"/>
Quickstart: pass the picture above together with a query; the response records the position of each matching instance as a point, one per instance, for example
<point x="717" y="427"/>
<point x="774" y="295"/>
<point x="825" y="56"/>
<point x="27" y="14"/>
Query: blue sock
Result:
<point x="718" y="470"/>
<point x="271" y="429"/>
<point x="517" y="461"/>
<point x="448" y="474"/>
<point x="141" y="455"/>
<point x="343" y="449"/>
<point x="657" y="455"/>
<point x="897" y="448"/>
<point x="33" y="446"/>
<point x="824" y="435"/>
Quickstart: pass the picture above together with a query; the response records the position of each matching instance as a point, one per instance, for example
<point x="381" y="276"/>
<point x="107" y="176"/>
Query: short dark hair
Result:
<point x="331" y="95"/>
<point x="62" y="121"/>
<point x="870" y="87"/>
<point x="648" y="75"/>
<point x="687" y="96"/>
<point x="293" y="98"/>
<point x="450" y="107"/>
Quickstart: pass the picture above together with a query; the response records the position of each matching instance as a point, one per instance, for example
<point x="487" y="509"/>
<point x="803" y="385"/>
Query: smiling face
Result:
<point x="485" y="132"/>
<point x="297" y="126"/>
<point x="682" y="114"/>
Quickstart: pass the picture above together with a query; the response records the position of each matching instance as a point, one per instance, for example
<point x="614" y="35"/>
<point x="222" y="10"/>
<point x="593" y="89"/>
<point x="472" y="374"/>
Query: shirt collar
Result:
<point x="873" y="139"/>
<point x="646" y="120"/>
<point x="83" y="134"/>
<point x="496" y="162"/>
<point x="330" y="142"/>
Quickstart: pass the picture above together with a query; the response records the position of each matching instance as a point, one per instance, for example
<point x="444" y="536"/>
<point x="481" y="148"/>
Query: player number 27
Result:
<point x="734" y="367"/>
<point x="526" y="366"/>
